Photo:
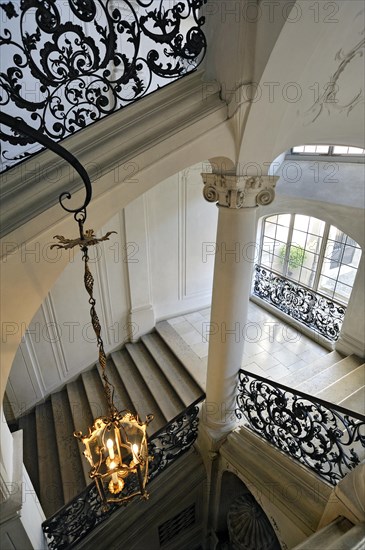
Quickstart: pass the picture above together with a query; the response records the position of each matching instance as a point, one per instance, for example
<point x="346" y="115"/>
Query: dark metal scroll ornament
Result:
<point x="321" y="314"/>
<point x="173" y="440"/>
<point x="65" y="65"/>
<point x="324" y="437"/>
<point x="67" y="527"/>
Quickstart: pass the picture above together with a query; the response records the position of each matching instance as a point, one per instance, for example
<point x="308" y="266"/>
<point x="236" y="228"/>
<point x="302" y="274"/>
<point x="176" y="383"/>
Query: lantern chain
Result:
<point x="89" y="286"/>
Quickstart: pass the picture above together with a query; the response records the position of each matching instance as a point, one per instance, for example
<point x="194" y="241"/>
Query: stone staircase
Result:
<point x="148" y="378"/>
<point x="161" y="375"/>
<point x="334" y="378"/>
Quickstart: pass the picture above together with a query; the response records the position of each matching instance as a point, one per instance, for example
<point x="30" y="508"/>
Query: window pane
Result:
<point x="284" y="219"/>
<point x="270" y="230"/>
<point x="268" y="245"/>
<point x="342" y="292"/>
<point x="300" y="258"/>
<point x="356" y="151"/>
<point x="301" y="222"/>
<point x="307" y="277"/>
<point x="299" y="238"/>
<point x="298" y="149"/>
<point x="279" y="250"/>
<point x="326" y="286"/>
<point x="310" y="260"/>
<point x="277" y="264"/>
<point x="329" y="270"/>
<point x="313" y="243"/>
<point x="316" y="226"/>
<point x="282" y="233"/>
<point x="309" y="148"/>
<point x="266" y="258"/>
<point x="340" y="150"/>
<point x="347" y="275"/>
<point x="336" y="234"/>
<point x="296" y="256"/>
<point x="351" y="256"/>
<point x="322" y="149"/>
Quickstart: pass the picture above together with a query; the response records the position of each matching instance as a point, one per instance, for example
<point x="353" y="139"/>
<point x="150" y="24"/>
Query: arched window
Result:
<point x="311" y="252"/>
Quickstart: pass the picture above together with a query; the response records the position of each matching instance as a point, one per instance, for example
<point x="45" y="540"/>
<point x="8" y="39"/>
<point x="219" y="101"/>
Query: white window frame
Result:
<point x="321" y="255"/>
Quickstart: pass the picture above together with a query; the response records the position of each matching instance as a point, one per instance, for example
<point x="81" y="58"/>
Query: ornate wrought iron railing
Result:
<point x="307" y="306"/>
<point x="324" y="437"/>
<point x="65" y="65"/>
<point x="82" y="514"/>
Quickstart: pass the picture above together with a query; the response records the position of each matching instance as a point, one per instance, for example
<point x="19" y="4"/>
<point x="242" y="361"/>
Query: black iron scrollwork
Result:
<point x="322" y="436"/>
<point x="66" y="65"/>
<point x="81" y="515"/>
<point x="303" y="304"/>
<point x="173" y="440"/>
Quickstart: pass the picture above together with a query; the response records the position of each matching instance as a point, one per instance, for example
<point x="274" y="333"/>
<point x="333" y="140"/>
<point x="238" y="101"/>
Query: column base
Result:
<point x="347" y="345"/>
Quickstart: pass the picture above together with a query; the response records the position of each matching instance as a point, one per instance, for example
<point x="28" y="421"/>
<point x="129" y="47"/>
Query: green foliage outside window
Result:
<point x="297" y="256"/>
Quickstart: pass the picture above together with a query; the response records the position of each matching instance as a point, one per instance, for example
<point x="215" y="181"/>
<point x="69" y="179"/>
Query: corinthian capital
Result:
<point x="239" y="191"/>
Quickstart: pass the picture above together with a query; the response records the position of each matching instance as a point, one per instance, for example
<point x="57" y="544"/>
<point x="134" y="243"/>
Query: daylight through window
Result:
<point x="311" y="252"/>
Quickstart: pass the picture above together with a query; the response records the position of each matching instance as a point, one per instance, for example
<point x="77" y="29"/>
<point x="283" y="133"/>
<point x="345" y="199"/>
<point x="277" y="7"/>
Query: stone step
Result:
<point x="169" y="402"/>
<point x="186" y="387"/>
<point x="344" y="387"/>
<point x="27" y="423"/>
<point x="82" y="418"/>
<point x="323" y="379"/>
<point x="95" y="393"/>
<point x="50" y="482"/>
<point x="68" y="447"/>
<point x="293" y="380"/>
<point x="324" y="538"/>
<point x="192" y="363"/>
<point x="355" y="401"/>
<point x="139" y="393"/>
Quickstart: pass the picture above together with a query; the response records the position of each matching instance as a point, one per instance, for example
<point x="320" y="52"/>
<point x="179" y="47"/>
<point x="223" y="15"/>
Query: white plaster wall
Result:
<point x="182" y="229"/>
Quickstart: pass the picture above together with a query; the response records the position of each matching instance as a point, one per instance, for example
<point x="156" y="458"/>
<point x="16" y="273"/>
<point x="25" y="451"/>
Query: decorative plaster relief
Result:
<point x="329" y="99"/>
<point x="235" y="192"/>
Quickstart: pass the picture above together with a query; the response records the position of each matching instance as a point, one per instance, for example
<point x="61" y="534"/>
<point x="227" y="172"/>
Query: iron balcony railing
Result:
<point x="326" y="438"/>
<point x="74" y="521"/>
<point x="316" y="311"/>
<point x="65" y="65"/>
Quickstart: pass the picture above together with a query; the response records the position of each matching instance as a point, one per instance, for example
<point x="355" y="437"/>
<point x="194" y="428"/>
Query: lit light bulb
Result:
<point x="110" y="446"/>
<point x="135" y="450"/>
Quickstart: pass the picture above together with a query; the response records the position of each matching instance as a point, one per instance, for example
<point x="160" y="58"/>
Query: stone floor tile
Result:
<point x="265" y="360"/>
<point x="200" y="349"/>
<point x="183" y="327"/>
<point x="286" y="357"/>
<point x="255" y="369"/>
<point x="193" y="337"/>
<point x="277" y="372"/>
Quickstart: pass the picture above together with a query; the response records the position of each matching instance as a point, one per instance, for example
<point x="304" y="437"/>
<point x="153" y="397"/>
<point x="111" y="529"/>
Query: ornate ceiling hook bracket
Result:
<point x="19" y="126"/>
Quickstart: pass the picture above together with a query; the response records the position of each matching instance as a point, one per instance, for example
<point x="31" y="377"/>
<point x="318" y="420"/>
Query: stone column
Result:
<point x="237" y="198"/>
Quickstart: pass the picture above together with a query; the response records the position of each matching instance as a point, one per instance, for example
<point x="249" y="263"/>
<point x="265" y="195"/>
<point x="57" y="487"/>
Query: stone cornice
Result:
<point x="232" y="191"/>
